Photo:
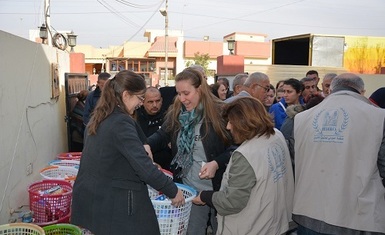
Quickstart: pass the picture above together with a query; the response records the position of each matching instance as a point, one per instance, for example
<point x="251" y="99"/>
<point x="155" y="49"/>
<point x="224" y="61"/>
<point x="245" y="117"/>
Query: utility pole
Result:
<point x="47" y="20"/>
<point x="165" y="14"/>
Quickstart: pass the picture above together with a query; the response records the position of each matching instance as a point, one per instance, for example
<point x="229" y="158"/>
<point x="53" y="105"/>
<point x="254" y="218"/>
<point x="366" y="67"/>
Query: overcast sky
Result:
<point x="111" y="22"/>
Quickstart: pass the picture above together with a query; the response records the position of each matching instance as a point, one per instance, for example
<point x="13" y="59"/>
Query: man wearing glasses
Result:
<point x="256" y="85"/>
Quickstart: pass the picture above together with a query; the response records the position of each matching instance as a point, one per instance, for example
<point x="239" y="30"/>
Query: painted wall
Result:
<point x="364" y="54"/>
<point x="33" y="130"/>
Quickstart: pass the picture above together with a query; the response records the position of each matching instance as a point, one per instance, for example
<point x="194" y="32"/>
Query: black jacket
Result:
<point x="110" y="194"/>
<point x="214" y="147"/>
<point x="150" y="124"/>
<point x="91" y="100"/>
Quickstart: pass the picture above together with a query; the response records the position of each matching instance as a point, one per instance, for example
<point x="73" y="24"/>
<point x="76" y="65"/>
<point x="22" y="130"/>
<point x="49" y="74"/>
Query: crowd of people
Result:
<point x="264" y="159"/>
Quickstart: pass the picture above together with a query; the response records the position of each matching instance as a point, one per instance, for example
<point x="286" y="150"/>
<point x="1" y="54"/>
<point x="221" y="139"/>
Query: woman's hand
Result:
<point x="208" y="170"/>
<point x="157" y="165"/>
<point x="197" y="200"/>
<point x="178" y="200"/>
<point x="148" y="150"/>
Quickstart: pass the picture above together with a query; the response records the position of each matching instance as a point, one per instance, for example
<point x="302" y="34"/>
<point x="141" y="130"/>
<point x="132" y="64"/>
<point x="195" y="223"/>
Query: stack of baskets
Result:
<point x="50" y="199"/>
<point x="172" y="220"/>
<point x="64" y="168"/>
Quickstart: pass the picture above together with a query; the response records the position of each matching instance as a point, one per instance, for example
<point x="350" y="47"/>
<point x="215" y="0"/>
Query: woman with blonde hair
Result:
<point x="194" y="127"/>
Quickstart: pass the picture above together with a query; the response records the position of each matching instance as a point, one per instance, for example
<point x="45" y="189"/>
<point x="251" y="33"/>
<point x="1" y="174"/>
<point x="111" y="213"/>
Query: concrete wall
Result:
<point x="372" y="82"/>
<point x="33" y="130"/>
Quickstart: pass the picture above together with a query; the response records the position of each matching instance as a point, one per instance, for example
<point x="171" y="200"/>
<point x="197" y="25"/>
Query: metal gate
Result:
<point x="74" y="83"/>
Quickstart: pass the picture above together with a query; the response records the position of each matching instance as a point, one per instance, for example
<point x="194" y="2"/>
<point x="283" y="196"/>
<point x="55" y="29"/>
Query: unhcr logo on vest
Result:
<point x="329" y="125"/>
<point x="276" y="160"/>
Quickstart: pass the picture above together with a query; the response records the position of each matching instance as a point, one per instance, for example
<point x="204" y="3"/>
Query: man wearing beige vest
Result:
<point x="340" y="163"/>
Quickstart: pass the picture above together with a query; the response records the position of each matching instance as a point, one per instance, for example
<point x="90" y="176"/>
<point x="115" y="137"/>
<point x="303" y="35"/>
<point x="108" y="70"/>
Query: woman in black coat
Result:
<point x="110" y="194"/>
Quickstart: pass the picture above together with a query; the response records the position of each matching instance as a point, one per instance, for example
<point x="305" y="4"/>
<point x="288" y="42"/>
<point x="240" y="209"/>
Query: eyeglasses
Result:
<point x="141" y="98"/>
<point x="267" y="89"/>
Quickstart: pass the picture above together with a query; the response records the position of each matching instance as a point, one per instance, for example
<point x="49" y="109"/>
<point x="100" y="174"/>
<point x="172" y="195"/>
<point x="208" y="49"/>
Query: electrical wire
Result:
<point x="141" y="27"/>
<point x="138" y="6"/>
<point x="253" y="13"/>
<point x="145" y="23"/>
<point x="116" y="13"/>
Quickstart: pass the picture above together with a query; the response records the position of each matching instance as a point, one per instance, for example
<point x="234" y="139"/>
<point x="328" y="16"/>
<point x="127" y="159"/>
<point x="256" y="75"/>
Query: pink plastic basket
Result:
<point x="69" y="156"/>
<point x="50" y="208"/>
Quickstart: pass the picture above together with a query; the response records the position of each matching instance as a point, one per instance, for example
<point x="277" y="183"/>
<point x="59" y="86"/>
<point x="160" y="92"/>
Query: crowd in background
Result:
<point x="304" y="156"/>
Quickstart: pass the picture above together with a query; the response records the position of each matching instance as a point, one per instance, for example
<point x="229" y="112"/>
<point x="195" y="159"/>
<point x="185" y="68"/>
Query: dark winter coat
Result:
<point x="110" y="195"/>
<point x="91" y="100"/>
<point x="214" y="147"/>
<point x="150" y="124"/>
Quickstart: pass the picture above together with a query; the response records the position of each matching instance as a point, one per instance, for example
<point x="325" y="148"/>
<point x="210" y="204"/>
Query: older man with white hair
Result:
<point x="256" y="85"/>
<point x="340" y="163"/>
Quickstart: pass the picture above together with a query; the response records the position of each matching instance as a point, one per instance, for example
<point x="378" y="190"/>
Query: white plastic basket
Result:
<point x="173" y="220"/>
<point x="73" y="163"/>
<point x="66" y="173"/>
<point x="154" y="193"/>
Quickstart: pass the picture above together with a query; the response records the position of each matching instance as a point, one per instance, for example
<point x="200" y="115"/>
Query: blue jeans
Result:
<point x="199" y="216"/>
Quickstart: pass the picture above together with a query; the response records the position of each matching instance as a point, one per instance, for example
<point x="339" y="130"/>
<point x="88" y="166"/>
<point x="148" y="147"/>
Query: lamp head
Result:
<point x="71" y="40"/>
<point x="163" y="12"/>
<point x="43" y="33"/>
<point x="231" y="45"/>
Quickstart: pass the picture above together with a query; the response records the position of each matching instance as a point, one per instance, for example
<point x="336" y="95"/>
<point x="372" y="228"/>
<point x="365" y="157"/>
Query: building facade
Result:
<point x="148" y="58"/>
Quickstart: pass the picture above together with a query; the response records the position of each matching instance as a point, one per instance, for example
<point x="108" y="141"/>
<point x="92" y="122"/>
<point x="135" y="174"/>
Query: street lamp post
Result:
<point x="104" y="58"/>
<point x="165" y="14"/>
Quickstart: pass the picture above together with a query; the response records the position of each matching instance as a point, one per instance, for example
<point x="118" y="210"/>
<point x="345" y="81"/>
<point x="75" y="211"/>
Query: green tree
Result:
<point x="202" y="60"/>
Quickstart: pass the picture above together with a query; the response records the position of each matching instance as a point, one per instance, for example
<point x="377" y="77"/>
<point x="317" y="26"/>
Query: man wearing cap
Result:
<point x="378" y="97"/>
